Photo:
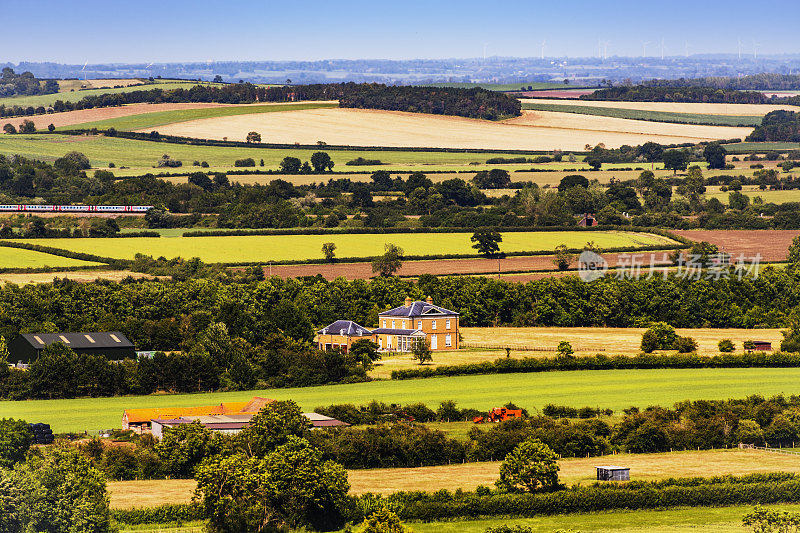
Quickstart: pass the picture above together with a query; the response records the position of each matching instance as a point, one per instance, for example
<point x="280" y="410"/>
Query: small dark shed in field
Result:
<point x="613" y="473"/>
<point x="758" y="346"/>
<point x="115" y="346"/>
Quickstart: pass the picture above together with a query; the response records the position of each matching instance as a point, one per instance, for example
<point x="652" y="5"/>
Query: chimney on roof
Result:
<point x="429" y="300"/>
<point x="409" y="301"/>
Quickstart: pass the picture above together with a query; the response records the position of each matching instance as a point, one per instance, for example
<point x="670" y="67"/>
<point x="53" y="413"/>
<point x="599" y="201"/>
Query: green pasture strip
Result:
<point x="262" y="248"/>
<point x="680" y="520"/>
<point x="161" y="118"/>
<point x="145" y="154"/>
<point x="750" y="147"/>
<point x="535" y="85"/>
<point x="18" y="258"/>
<point x="73" y="96"/>
<point x="615" y="389"/>
<point x="652" y="116"/>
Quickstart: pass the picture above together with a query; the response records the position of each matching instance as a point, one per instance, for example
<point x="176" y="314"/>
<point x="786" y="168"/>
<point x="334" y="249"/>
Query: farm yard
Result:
<point x="533" y="391"/>
<point x="391" y="128"/>
<point x="261" y="249"/>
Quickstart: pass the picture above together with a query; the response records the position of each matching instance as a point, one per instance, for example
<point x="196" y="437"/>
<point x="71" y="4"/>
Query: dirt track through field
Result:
<point x="773" y="245"/>
<point x="360" y="127"/>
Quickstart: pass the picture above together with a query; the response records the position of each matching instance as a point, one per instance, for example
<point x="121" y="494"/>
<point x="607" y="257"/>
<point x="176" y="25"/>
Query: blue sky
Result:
<point x="97" y="31"/>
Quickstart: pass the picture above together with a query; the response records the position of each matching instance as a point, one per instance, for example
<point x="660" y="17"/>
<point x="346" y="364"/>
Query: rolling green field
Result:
<point x="682" y="520"/>
<point x="749" y="147"/>
<point x="143" y="155"/>
<point x="153" y="120"/>
<point x="615" y="389"/>
<point x="536" y="85"/>
<point x="73" y="96"/>
<point x="19" y="258"/>
<point x="263" y="248"/>
<point x="652" y="116"/>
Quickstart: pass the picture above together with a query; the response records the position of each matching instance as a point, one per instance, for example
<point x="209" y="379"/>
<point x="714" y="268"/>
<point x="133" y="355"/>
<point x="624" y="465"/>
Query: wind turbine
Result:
<point x="484" y="51"/>
<point x="644" y="48"/>
<point x="662" y="49"/>
<point x="604" y="45"/>
<point x="739" y="41"/>
<point x="84" y="70"/>
<point x="544" y="42"/>
<point x="755" y="49"/>
<point x="686" y="48"/>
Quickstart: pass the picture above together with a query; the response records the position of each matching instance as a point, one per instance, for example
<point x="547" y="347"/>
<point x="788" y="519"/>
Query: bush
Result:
<point x="685" y="345"/>
<point x="246" y="162"/>
<point x="532" y="467"/>
<point x="726" y="346"/>
<point x="659" y="336"/>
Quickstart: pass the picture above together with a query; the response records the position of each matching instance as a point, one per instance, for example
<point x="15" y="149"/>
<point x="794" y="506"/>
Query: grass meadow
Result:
<point x="468" y="476"/>
<point x="19" y="258"/>
<point x="154" y="120"/>
<point x="614" y="389"/>
<point x="752" y="191"/>
<point x="652" y="116"/>
<point x="262" y="248"/>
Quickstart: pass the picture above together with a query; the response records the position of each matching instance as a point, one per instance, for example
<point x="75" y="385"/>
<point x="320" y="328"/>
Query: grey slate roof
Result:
<point x="345" y="327"/>
<point x="418" y="308"/>
<point x="80" y="340"/>
<point x="393" y="331"/>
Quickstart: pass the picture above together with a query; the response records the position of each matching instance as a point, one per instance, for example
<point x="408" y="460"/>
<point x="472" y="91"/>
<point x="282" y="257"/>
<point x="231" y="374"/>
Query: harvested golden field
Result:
<point x="551" y="119"/>
<point x="675" y="107"/>
<point x="706" y="463"/>
<point x="612" y="341"/>
<point x="393" y="128"/>
<point x="75" y="85"/>
<point x="81" y="276"/>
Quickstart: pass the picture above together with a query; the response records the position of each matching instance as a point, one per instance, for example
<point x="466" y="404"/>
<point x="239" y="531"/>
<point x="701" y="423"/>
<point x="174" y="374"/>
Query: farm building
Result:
<point x="140" y="420"/>
<point x="341" y="334"/>
<point x="113" y="345"/>
<point x="398" y="329"/>
<point x="758" y="346"/>
<point x="587" y="220"/>
<point x="233" y="424"/>
<point x="613" y="473"/>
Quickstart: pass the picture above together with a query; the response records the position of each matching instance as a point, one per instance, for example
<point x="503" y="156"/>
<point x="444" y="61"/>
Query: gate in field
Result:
<point x="523" y="347"/>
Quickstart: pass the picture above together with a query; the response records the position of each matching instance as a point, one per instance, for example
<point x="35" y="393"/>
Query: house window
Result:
<point x="447" y="324"/>
<point x="447" y="340"/>
<point x="380" y="343"/>
<point x="388" y="342"/>
<point x="419" y="324"/>
<point x="433" y="324"/>
<point x="404" y="324"/>
<point x="393" y="325"/>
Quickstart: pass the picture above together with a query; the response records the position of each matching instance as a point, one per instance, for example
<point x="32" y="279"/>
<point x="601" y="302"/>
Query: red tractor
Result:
<point x="498" y="414"/>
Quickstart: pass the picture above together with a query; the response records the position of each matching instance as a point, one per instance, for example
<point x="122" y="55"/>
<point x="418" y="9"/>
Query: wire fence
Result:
<point x="523" y="347"/>
<point x="788" y="451"/>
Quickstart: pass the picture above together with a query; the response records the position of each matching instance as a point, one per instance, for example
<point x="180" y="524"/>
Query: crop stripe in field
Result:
<point x="116" y="264"/>
<point x="650" y="116"/>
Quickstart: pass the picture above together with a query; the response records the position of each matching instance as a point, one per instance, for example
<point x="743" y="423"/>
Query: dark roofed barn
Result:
<point x="115" y="346"/>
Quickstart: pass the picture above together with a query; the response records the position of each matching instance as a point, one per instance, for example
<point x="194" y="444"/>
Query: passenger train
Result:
<point x="42" y="208"/>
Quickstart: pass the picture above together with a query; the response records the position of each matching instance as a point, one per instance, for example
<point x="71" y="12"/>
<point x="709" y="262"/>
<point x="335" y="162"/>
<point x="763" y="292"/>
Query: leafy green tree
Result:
<point x="183" y="447"/>
<point x="15" y="440"/>
<point x="290" y="487"/>
<point x="365" y="352"/>
<point x="714" y="154"/>
<point x="573" y="180"/>
<point x="290" y="165"/>
<point x="659" y="336"/>
<point x="651" y="151"/>
<point x="737" y="200"/>
<point x="61" y="492"/>
<point x="749" y="432"/>
<point x="10" y="129"/>
<point x="390" y="262"/>
<point x="794" y="254"/>
<point x="321" y="161"/>
<point x="383" y="521"/>
<point x="565" y="349"/>
<point x="685" y="345"/>
<point x="496" y="178"/>
<point x="54" y="373"/>
<point x="676" y="160"/>
<point x="487" y="241"/>
<point x="253" y="137"/>
<point x="531" y="466"/>
<point x="272" y="427"/>
<point x="27" y="126"/>
<point x="329" y="251"/>
<point x="563" y="257"/>
<point x="10" y="520"/>
<point x="421" y="351"/>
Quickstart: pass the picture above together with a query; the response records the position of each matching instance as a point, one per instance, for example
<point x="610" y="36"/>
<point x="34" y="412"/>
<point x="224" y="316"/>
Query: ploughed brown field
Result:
<point x="773" y="245"/>
<point x="512" y="266"/>
<point x="68" y="118"/>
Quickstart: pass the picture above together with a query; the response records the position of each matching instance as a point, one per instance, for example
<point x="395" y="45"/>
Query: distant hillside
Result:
<point x="25" y="84"/>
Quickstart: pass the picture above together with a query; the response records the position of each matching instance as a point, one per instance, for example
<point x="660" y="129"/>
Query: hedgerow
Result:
<point x="181" y="512"/>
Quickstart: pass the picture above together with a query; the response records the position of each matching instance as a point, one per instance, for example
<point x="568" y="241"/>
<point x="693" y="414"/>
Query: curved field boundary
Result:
<point x="651" y="116"/>
<point x="105" y="262"/>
